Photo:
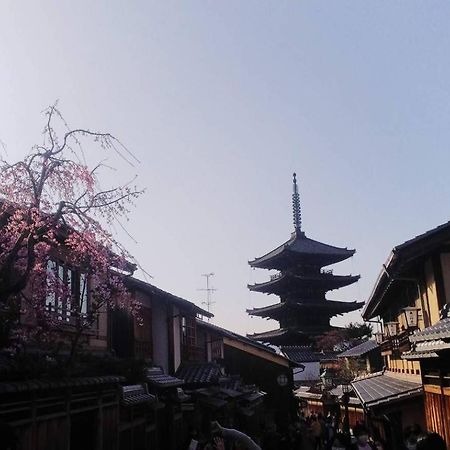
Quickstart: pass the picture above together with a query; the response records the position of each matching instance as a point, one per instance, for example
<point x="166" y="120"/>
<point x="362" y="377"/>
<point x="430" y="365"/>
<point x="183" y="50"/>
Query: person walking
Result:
<point x="316" y="431"/>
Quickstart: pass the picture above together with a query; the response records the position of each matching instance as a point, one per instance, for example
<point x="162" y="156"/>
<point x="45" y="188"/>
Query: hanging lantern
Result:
<point x="411" y="316"/>
<point x="392" y="328"/>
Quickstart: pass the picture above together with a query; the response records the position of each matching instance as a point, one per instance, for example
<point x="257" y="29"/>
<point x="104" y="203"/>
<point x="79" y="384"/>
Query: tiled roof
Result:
<point x="304" y="353"/>
<point x="359" y="350"/>
<point x="426" y="349"/>
<point x="206" y="373"/>
<point x="322" y="280"/>
<point x="156" y="377"/>
<point x="136" y="394"/>
<point x="299" y="244"/>
<point x="334" y="307"/>
<point x="301" y="353"/>
<point x="338" y="392"/>
<point x="440" y="330"/>
<point x="380" y="388"/>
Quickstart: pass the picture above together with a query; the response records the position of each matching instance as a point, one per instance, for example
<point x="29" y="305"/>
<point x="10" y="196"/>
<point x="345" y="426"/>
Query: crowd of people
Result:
<point x="316" y="432"/>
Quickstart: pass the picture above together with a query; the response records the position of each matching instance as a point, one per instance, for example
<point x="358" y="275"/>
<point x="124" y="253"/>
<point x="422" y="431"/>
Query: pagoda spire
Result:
<point x="296" y="209"/>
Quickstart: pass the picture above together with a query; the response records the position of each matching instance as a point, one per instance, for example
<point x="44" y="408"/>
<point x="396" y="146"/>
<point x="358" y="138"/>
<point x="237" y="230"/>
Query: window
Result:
<point x="74" y="293"/>
<point x="188" y="335"/>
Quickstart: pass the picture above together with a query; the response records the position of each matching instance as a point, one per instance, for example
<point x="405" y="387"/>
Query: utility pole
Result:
<point x="209" y="291"/>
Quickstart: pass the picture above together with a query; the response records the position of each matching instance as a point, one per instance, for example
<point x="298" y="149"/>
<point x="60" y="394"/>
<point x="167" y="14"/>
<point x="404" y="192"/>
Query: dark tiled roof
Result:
<point x="278" y="309"/>
<point x="280" y="336"/>
<point x="207" y="373"/>
<point x="304" y="353"/>
<point x="359" y="350"/>
<point x="38" y="385"/>
<point x="302" y="246"/>
<point x="426" y="349"/>
<point x="136" y="394"/>
<point x="301" y="353"/>
<point x="380" y="388"/>
<point x="323" y="280"/>
<point x="440" y="330"/>
<point x="156" y="377"/>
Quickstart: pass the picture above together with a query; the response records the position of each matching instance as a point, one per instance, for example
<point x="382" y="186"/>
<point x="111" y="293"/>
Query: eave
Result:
<point x="302" y="249"/>
<point x="325" y="282"/>
<point x="401" y="257"/>
<point x="148" y="288"/>
<point x="330" y="306"/>
<point x="289" y="336"/>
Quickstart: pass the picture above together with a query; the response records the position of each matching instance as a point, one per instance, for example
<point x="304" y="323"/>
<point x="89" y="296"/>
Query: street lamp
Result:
<point x="411" y="316"/>
<point x="346" y="389"/>
<point x="392" y="328"/>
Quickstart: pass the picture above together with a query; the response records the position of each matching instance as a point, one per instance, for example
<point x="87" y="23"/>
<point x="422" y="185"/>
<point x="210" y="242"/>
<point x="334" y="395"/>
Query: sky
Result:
<point x="221" y="102"/>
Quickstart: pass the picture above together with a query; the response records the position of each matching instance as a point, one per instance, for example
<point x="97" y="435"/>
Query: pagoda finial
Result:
<point x="296" y="210"/>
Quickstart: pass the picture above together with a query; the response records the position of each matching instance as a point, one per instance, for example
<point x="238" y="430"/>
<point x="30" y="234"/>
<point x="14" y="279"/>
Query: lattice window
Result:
<point x="188" y="331"/>
<point x="75" y="295"/>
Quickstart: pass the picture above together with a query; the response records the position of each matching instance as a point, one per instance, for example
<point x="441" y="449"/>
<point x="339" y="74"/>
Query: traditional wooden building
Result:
<point x="167" y="335"/>
<point x="256" y="364"/>
<point x="410" y="298"/>
<point x="362" y="359"/>
<point x="301" y="284"/>
<point x="431" y="347"/>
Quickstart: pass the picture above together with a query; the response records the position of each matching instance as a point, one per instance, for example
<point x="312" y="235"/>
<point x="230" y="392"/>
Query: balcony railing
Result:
<point x="397" y="344"/>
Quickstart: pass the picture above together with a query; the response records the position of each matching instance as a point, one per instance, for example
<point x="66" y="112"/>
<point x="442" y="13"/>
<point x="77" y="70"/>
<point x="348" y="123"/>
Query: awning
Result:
<point x="197" y="374"/>
<point x="136" y="394"/>
<point x="426" y="349"/>
<point x="440" y="330"/>
<point x="155" y="377"/>
<point x="381" y="389"/>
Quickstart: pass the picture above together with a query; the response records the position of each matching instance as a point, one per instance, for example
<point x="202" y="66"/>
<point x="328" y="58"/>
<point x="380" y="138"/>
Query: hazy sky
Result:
<point x="222" y="101"/>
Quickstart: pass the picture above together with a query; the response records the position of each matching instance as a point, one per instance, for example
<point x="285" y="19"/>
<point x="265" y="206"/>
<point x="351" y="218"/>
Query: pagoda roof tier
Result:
<point x="282" y="283"/>
<point x="301" y="250"/>
<point x="328" y="307"/>
<point x="289" y="336"/>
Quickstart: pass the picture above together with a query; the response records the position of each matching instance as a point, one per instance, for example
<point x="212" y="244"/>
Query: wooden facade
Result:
<point x="73" y="414"/>
<point x="437" y="407"/>
<point x="436" y="381"/>
<point x="417" y="274"/>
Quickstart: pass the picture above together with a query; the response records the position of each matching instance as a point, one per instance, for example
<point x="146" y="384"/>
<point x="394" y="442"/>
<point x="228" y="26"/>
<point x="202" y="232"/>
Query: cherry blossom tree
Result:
<point x="60" y="263"/>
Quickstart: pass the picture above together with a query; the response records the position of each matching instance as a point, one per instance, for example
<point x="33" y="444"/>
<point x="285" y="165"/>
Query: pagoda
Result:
<point x="301" y="283"/>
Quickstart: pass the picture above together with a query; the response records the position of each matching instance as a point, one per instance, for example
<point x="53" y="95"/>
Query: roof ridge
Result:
<point x="370" y="375"/>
